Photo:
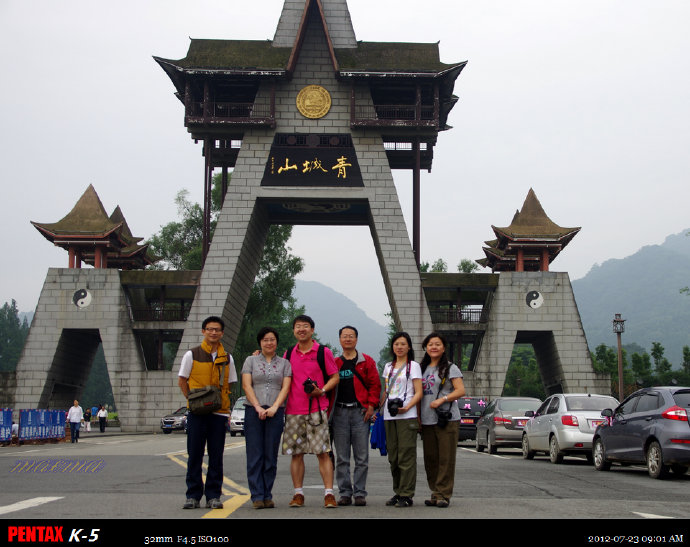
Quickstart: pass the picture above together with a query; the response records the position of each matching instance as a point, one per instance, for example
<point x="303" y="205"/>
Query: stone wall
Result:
<point x="537" y="308"/>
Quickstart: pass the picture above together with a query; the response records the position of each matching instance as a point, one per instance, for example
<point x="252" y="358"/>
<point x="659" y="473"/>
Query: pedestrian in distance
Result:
<point x="202" y="366"/>
<point x="314" y="376"/>
<point x="443" y="386"/>
<point x="266" y="380"/>
<point x="102" y="416"/>
<point x="87" y="420"/>
<point x="403" y="392"/>
<point x="75" y="415"/>
<point x="357" y="398"/>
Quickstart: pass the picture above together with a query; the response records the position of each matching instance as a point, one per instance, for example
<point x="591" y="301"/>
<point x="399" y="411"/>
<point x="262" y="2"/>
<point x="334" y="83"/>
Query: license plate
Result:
<point x="466" y="421"/>
<point x="596" y="423"/>
<point x="521" y="422"/>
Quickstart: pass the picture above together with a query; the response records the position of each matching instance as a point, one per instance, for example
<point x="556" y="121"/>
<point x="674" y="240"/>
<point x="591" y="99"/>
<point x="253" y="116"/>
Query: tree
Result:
<point x="642" y="369"/>
<point x="13" y="333"/>
<point x="440" y="266"/>
<point x="467" y="265"/>
<point x="179" y="243"/>
<point x="662" y="365"/>
<point x="523" y="377"/>
<point x="686" y="359"/>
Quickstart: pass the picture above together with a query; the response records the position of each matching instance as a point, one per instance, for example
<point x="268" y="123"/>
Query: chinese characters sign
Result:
<point x="312" y="166"/>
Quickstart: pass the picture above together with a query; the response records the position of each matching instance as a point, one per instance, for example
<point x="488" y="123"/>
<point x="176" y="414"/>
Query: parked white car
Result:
<point x="236" y="423"/>
<point x="564" y="424"/>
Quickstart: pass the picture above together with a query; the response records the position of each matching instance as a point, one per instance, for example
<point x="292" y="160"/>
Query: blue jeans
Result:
<point x="205" y="431"/>
<point x="351" y="432"/>
<point x="262" y="440"/>
<point x="74" y="431"/>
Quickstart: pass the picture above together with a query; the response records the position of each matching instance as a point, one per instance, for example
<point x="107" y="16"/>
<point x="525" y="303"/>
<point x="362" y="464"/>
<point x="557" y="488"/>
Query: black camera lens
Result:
<point x="309" y="385"/>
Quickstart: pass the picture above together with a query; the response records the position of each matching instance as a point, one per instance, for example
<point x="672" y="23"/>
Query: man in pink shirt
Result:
<point x="314" y="375"/>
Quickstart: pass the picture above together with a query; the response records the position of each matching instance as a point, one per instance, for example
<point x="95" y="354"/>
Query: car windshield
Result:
<point x="518" y="405"/>
<point x="471" y="406"/>
<point x="590" y="403"/>
<point x="682" y="398"/>
<point x="239" y="404"/>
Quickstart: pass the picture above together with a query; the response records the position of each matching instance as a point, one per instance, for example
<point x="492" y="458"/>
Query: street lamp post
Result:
<point x="618" y="329"/>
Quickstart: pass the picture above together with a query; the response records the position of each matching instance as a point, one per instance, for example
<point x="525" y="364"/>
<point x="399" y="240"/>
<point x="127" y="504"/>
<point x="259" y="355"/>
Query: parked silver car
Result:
<point x="564" y="424"/>
<point x="502" y="422"/>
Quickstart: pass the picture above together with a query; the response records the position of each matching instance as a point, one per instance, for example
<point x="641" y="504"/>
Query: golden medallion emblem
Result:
<point x="313" y="101"/>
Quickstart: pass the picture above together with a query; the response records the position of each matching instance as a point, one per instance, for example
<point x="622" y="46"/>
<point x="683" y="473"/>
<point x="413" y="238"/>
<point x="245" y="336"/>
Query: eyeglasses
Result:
<point x="213" y="329"/>
<point x="348" y="337"/>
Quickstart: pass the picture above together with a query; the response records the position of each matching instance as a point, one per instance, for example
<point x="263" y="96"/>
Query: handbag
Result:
<point x="207" y="399"/>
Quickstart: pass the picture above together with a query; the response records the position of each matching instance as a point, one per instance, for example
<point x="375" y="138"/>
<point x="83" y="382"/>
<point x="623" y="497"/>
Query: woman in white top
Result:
<point x="402" y="393"/>
<point x="443" y="386"/>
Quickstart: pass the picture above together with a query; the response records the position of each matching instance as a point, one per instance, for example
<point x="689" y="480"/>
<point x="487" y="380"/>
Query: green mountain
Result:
<point x="332" y="310"/>
<point x="645" y="289"/>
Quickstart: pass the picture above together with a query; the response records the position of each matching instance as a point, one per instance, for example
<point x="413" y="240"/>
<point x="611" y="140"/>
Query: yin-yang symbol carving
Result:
<point x="81" y="298"/>
<point x="534" y="299"/>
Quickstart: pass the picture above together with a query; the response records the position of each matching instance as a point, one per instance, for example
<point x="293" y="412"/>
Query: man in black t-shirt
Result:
<point x="356" y="401"/>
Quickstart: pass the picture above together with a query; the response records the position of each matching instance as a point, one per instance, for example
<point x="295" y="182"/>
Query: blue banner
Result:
<point x="5" y="424"/>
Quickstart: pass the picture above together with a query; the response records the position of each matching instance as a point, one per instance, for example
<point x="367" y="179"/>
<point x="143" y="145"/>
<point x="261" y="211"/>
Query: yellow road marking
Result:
<point x="238" y="494"/>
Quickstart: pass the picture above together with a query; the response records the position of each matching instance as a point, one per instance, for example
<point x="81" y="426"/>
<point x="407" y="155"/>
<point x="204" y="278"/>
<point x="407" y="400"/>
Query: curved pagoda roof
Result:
<point x="88" y="225"/>
<point x="531" y="231"/>
<point x="259" y="59"/>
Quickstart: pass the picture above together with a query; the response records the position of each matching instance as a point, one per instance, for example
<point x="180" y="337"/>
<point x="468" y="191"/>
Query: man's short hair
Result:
<point x="303" y="319"/>
<point x="213" y="319"/>
<point x="348" y="327"/>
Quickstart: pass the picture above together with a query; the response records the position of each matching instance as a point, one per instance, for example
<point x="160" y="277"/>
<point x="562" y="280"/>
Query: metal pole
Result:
<point x="620" y="369"/>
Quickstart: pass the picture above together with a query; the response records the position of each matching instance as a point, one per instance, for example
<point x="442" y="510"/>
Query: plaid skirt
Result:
<point x="306" y="434"/>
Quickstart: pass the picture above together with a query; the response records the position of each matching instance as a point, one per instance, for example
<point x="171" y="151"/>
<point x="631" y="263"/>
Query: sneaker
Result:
<point x="393" y="501"/>
<point x="360" y="501"/>
<point x="269" y="504"/>
<point x="404" y="501"/>
<point x="329" y="501"/>
<point x="297" y="500"/>
<point x="191" y="503"/>
<point x="345" y="500"/>
<point x="214" y="503"/>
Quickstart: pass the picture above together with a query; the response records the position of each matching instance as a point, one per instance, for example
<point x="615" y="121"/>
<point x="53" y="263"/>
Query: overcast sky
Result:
<point x="587" y="102"/>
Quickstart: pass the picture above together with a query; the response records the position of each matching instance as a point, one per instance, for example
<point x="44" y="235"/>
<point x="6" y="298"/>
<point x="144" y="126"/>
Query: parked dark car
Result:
<point x="177" y="421"/>
<point x="471" y="409"/>
<point x="651" y="428"/>
<point x="502" y="422"/>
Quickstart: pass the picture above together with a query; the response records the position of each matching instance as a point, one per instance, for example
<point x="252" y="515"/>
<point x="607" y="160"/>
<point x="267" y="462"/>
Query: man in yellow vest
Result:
<point x="202" y="366"/>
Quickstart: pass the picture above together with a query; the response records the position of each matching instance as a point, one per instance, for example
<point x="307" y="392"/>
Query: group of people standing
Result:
<point x="313" y="401"/>
<point x="77" y="417"/>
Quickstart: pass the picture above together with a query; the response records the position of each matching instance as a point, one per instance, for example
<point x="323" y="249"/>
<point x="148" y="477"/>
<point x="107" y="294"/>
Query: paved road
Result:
<point x="142" y="477"/>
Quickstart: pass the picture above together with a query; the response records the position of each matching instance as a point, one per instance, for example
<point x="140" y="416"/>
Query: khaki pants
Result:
<point x="440" y="447"/>
<point x="401" y="443"/>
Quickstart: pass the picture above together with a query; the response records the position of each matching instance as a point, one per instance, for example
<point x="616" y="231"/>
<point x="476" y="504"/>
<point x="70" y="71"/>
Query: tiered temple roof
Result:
<point x="530" y="243"/>
<point x="91" y="236"/>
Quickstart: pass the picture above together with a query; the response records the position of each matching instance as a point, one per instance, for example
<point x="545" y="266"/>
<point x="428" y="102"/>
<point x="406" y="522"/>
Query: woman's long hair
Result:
<point x="443" y="364"/>
<point x="410" y="352"/>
